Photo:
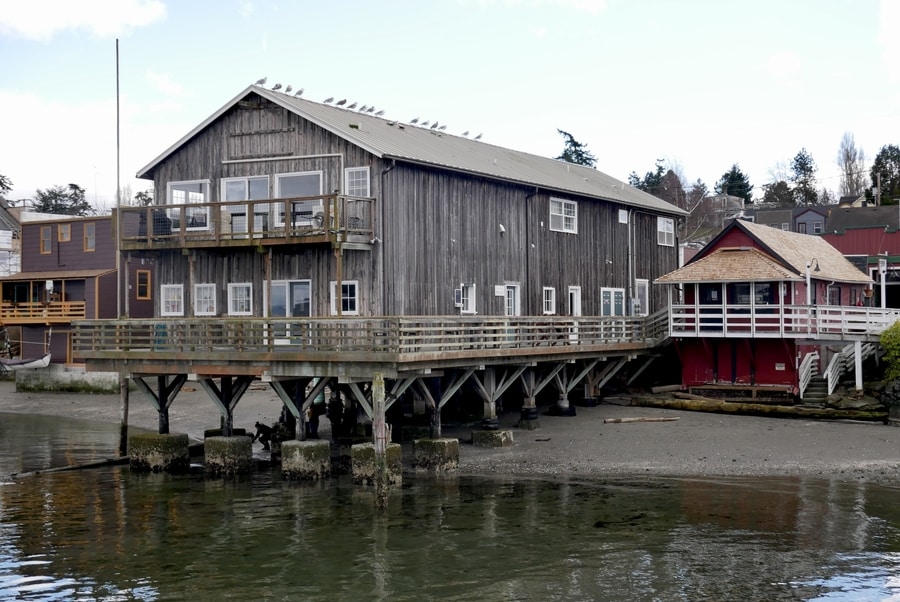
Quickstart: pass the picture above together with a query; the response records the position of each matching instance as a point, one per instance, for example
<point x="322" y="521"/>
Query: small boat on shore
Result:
<point x="9" y="365"/>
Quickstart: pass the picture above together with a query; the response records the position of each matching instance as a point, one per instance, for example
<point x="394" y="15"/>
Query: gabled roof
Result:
<point x="388" y="139"/>
<point x="842" y="218"/>
<point x="790" y="250"/>
<point x="730" y="264"/>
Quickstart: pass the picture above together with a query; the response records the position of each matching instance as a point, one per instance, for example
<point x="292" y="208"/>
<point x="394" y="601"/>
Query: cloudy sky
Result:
<point x="699" y="84"/>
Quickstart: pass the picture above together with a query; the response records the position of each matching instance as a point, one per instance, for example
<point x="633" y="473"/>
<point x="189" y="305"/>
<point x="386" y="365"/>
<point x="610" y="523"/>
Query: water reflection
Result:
<point x="108" y="534"/>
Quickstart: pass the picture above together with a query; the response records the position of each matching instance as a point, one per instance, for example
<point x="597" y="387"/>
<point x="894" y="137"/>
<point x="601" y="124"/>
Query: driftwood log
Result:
<point x="697" y="403"/>
<point x="639" y="419"/>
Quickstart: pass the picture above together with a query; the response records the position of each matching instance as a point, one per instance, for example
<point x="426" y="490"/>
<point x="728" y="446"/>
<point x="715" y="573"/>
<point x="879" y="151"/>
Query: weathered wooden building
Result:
<point x="68" y="273"/>
<point x="759" y="310"/>
<point x="278" y="219"/>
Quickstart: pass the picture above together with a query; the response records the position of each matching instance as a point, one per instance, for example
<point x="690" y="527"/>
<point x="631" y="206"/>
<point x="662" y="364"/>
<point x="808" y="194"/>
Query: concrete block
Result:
<point x="305" y="460"/>
<point x="498" y="438"/>
<point x="228" y="456"/>
<point x="436" y="455"/>
<point x="364" y="465"/>
<point x="152" y="452"/>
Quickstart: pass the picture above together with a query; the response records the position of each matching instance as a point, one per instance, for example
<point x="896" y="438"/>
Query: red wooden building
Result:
<point x="760" y="309"/>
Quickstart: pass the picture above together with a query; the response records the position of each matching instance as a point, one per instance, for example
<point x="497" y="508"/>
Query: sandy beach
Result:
<point x="697" y="444"/>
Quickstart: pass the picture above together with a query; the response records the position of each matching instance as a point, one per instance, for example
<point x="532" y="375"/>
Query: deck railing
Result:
<point x="384" y="336"/>
<point x="777" y="321"/>
<point x="269" y="221"/>
<point x="61" y="311"/>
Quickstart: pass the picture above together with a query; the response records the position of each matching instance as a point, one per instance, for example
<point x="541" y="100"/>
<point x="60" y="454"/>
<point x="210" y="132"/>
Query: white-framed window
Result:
<point x="171" y="300"/>
<point x="240" y="299"/>
<point x="185" y="193"/>
<point x="348" y="298"/>
<point x="817" y="227"/>
<point x="467" y="298"/>
<point x="612" y="301"/>
<point x="204" y="299"/>
<point x="299" y="185"/>
<point x="665" y="231"/>
<point x="548" y="296"/>
<point x="563" y="216"/>
<point x="785" y="226"/>
<point x="356" y="181"/>
<point x="641" y="297"/>
<point x="236" y="190"/>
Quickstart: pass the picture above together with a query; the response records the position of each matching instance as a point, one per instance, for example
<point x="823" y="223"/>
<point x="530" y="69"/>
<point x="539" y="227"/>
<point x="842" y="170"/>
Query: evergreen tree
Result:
<point x="803" y="176"/>
<point x="576" y="152"/>
<point x="61" y="200"/>
<point x="778" y="193"/>
<point x="6" y="186"/>
<point x="735" y="183"/>
<point x="887" y="166"/>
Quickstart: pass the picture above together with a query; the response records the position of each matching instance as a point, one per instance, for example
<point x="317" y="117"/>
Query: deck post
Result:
<point x="380" y="439"/>
<point x="123" y="415"/>
<point x="162" y="407"/>
<point x="857" y="360"/>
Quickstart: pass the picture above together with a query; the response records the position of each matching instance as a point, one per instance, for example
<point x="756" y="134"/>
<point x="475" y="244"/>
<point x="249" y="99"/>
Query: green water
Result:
<point x="107" y="534"/>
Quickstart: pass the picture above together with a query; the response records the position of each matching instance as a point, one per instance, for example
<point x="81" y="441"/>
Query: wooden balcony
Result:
<point x="315" y="346"/>
<point x="53" y="312"/>
<point x="824" y="322"/>
<point x="330" y="219"/>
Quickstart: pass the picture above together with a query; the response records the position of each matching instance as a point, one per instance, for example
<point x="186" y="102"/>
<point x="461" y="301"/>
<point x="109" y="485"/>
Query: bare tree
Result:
<point x="852" y="162"/>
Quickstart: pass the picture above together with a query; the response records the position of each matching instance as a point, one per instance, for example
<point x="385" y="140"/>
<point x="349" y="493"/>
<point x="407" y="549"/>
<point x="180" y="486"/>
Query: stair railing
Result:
<point x="809" y="367"/>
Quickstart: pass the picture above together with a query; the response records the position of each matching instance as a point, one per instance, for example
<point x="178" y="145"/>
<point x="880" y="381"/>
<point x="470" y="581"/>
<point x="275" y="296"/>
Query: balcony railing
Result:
<point x="373" y="339"/>
<point x="780" y="321"/>
<point x="332" y="218"/>
<point x="39" y="312"/>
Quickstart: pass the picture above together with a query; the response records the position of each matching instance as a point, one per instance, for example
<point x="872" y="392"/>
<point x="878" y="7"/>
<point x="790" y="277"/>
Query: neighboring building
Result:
<point x="10" y="242"/>
<point x="853" y="201"/>
<point x="805" y="220"/>
<point x="68" y="273"/>
<point x="869" y="237"/>
<point x="758" y="301"/>
<point x="277" y="208"/>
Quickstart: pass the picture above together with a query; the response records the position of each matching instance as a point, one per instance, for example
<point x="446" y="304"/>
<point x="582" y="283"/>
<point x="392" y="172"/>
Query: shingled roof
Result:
<point x="389" y="139"/>
<point x="842" y="218"/>
<point x="782" y="255"/>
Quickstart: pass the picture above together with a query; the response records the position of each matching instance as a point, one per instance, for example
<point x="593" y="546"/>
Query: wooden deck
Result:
<point x="53" y="312"/>
<point x="354" y="347"/>
<point x="303" y="220"/>
<point x="820" y="322"/>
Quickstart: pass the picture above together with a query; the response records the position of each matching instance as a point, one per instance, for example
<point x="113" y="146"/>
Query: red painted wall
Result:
<point x="733" y="361"/>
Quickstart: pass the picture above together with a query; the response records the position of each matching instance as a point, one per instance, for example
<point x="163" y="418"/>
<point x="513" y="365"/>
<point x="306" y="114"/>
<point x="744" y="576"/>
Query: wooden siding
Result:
<point x="68" y="255"/>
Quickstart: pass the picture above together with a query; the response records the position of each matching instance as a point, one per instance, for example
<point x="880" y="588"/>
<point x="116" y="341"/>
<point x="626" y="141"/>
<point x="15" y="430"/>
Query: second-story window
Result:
<point x="665" y="231"/>
<point x="45" y="239"/>
<point x="563" y="216"/>
<point x="90" y="237"/>
<point x="64" y="233"/>
<point x="188" y="193"/>
<point x="357" y="181"/>
<point x="817" y="227"/>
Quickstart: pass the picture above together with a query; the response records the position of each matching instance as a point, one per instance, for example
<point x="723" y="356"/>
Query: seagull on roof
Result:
<point x="276" y="87"/>
<point x="288" y="89"/>
<point x="299" y="93"/>
<point x="372" y="108"/>
<point x="341" y="102"/>
<point x="434" y="126"/>
<point x="466" y="133"/>
<point x="261" y="81"/>
<point x="415" y="121"/>
<point x="379" y="113"/>
<point x="425" y="124"/>
<point x="442" y="128"/>
<point x="478" y="137"/>
<point x="363" y="108"/>
<point x="328" y="100"/>
<point x="352" y="106"/>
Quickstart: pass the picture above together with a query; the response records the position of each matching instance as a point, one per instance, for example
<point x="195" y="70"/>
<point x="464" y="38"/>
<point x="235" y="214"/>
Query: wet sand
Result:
<point x="697" y="444"/>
